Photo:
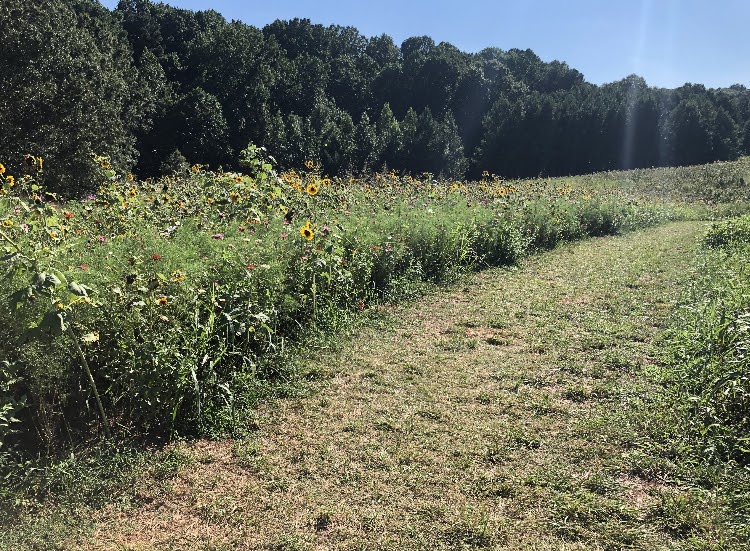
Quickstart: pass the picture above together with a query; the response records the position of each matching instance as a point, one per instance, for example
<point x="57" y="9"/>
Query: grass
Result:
<point x="532" y="443"/>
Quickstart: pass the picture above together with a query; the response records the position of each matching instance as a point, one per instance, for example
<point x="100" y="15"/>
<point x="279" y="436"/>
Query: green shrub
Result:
<point x="734" y="232"/>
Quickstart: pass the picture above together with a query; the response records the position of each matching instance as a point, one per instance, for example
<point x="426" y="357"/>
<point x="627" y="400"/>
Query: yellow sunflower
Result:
<point x="307" y="232"/>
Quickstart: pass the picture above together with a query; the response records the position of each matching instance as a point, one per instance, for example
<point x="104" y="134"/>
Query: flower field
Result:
<point x="168" y="306"/>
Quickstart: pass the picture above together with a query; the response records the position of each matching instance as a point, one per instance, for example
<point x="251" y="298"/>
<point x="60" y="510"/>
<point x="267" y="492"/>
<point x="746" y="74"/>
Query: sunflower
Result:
<point x="307" y="232"/>
<point x="312" y="189"/>
<point x="163" y="301"/>
<point x="178" y="276"/>
<point x="326" y="182"/>
<point x="8" y="223"/>
<point x="2" y="169"/>
<point x="309" y="164"/>
<point x="11" y="180"/>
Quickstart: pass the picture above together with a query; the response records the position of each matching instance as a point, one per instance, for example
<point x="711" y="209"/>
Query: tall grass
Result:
<point x="709" y="372"/>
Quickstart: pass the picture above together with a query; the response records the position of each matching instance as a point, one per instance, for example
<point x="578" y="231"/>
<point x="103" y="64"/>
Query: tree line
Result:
<point x="157" y="88"/>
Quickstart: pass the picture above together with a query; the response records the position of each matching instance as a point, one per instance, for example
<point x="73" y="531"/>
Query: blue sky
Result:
<point x="668" y="42"/>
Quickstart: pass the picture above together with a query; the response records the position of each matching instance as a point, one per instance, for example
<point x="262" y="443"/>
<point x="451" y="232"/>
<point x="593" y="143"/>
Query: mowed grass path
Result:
<point x="493" y="415"/>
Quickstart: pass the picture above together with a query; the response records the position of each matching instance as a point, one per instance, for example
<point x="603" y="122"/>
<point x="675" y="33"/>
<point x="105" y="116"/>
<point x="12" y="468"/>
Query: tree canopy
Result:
<point x="147" y="83"/>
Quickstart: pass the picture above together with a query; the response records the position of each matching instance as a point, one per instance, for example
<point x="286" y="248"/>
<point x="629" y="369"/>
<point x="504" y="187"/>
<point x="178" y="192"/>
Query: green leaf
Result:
<point x="18" y="298"/>
<point x="261" y="317"/>
<point x="79" y="289"/>
<point x="60" y="277"/>
<point x="10" y="257"/>
<point x="90" y="338"/>
<point x="53" y="323"/>
<point x="44" y="280"/>
<point x="39" y="279"/>
<point x="31" y="334"/>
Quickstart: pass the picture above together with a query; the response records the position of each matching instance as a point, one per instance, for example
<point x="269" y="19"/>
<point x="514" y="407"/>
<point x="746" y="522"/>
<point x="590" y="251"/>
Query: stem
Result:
<point x="86" y="368"/>
<point x="315" y="302"/>
<point x="9" y="240"/>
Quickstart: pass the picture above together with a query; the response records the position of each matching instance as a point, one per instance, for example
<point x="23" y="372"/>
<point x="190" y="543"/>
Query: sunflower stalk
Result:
<point x="314" y="290"/>
<point x="86" y="368"/>
<point x="12" y="243"/>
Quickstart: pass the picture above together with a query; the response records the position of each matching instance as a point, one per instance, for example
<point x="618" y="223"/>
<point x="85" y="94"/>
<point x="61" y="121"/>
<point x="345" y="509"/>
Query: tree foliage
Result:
<point x="67" y="87"/>
<point x="148" y="81"/>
